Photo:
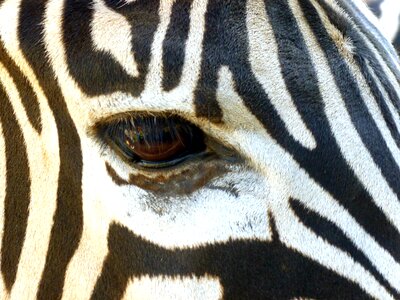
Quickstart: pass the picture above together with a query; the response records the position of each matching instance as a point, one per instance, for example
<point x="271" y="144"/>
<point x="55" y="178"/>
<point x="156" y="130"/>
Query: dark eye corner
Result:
<point x="152" y="141"/>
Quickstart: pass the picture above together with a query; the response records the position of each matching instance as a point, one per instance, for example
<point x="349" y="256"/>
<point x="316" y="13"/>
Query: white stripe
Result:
<point x="9" y="22"/>
<point x="153" y="98"/>
<point x="353" y="150"/>
<point x="377" y="114"/>
<point x="395" y="113"/>
<point x="111" y="32"/>
<point x="43" y="160"/>
<point x="153" y="87"/>
<point x="166" y="288"/>
<point x="296" y="235"/>
<point x="128" y="1"/>
<point x="193" y="57"/>
<point x="83" y="271"/>
<point x="285" y="179"/>
<point x="372" y="106"/>
<point x="377" y="24"/>
<point x="351" y="145"/>
<point x="387" y="73"/>
<point x="77" y="102"/>
<point x="266" y="67"/>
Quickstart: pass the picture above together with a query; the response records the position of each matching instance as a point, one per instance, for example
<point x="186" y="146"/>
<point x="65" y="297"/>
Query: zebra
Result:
<point x="198" y="149"/>
<point x="388" y="13"/>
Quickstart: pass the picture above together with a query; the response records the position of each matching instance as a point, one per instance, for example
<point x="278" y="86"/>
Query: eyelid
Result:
<point x="147" y="134"/>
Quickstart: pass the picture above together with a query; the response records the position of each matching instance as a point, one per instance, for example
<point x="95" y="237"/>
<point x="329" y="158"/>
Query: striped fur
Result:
<point x="304" y="93"/>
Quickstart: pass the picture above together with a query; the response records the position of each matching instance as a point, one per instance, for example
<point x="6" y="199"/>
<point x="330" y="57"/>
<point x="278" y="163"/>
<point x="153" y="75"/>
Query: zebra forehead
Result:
<point x="152" y="45"/>
<point x="150" y="50"/>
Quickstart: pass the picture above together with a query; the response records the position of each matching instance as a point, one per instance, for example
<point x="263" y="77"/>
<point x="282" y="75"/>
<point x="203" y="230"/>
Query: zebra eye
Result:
<point x="155" y="142"/>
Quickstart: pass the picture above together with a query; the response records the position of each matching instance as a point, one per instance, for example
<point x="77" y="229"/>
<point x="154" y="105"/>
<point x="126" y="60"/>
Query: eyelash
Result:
<point x="150" y="141"/>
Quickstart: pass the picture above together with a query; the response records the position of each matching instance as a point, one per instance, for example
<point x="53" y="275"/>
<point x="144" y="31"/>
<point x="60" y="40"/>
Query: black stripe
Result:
<point x="325" y="164"/>
<point x="375" y="7"/>
<point x="380" y="99"/>
<point x="27" y="95"/>
<point x="396" y="41"/>
<point x="364" y="56"/>
<point x="217" y="48"/>
<point x="334" y="235"/>
<point x="245" y="269"/>
<point x="348" y="189"/>
<point x="373" y="34"/>
<point x="17" y="198"/>
<point x="360" y="116"/>
<point x="68" y="220"/>
<point x="175" y="43"/>
<point x="97" y="72"/>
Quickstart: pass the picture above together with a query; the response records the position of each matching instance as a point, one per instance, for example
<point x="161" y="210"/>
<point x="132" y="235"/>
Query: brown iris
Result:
<point x="155" y="141"/>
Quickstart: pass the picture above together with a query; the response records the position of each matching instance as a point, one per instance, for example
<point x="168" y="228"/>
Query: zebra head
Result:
<point x="197" y="149"/>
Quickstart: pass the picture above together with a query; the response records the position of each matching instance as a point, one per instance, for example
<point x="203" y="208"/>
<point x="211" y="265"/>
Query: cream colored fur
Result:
<point x="271" y="176"/>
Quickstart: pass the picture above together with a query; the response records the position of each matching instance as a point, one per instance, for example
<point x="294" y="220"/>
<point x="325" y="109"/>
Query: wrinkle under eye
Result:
<point x="154" y="142"/>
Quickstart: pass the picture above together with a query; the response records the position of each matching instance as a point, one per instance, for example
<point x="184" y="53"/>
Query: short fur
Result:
<point x="297" y="192"/>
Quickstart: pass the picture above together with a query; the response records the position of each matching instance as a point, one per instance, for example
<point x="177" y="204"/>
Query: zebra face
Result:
<point x="204" y="199"/>
<point x="197" y="149"/>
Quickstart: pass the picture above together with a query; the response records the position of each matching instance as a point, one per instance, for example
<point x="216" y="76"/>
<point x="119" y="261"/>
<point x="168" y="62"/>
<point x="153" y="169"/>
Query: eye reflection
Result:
<point x="155" y="141"/>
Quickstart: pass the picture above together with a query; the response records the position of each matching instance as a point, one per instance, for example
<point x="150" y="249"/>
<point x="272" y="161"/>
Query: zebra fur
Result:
<point x="299" y="100"/>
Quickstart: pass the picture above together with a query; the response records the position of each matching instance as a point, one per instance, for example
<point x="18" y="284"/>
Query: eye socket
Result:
<point x="154" y="142"/>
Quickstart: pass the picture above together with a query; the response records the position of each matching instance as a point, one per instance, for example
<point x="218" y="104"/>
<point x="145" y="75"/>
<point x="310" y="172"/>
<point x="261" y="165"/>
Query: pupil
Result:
<point x="156" y="139"/>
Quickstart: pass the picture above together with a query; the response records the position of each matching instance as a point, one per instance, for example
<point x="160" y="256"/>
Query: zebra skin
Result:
<point x="198" y="149"/>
